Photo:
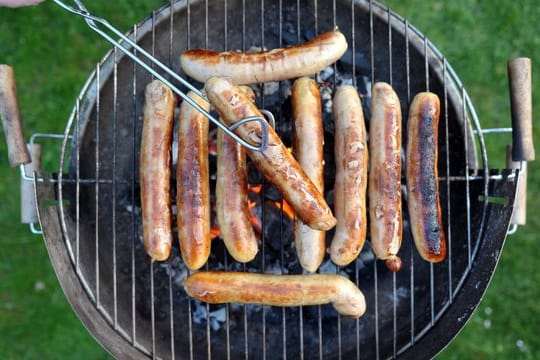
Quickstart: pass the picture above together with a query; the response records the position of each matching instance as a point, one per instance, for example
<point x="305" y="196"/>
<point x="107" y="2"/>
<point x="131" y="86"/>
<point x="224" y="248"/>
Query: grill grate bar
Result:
<point x="96" y="188"/>
<point x="390" y="47"/>
<point x="431" y="270"/>
<point x="411" y="258"/>
<point x="394" y="276"/>
<point x="169" y="265"/>
<point x="152" y="311"/>
<point x="357" y="325"/>
<point x="78" y="189"/>
<point x="262" y="194"/>
<point x="134" y="232"/>
<point x="467" y="191"/>
<point x="103" y="181"/>
<point x="426" y="62"/>
<point x="189" y="304"/>
<point x="340" y="351"/>
<point x="114" y="183"/>
<point x="448" y="191"/>
<point x="376" y="310"/>
<point x="190" y="328"/>
<point x="371" y="42"/>
<point x="227" y="310"/>
<point x="152" y="266"/>
<point x="208" y="335"/>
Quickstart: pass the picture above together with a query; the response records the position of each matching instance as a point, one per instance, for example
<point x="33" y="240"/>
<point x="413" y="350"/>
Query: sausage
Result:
<point x="275" y="162"/>
<point x="277" y="290"/>
<point x="192" y="183"/>
<point x="422" y="177"/>
<point x="155" y="170"/>
<point x="351" y="157"/>
<point x="308" y="140"/>
<point x="384" y="188"/>
<point x="232" y="197"/>
<point x="265" y="66"/>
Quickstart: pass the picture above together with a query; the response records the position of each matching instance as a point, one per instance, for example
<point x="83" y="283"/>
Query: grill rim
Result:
<point x="77" y="115"/>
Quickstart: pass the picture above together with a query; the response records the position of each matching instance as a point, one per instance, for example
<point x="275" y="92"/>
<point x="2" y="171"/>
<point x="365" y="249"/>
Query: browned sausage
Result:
<point x="193" y="186"/>
<point x="308" y="139"/>
<point x="277" y="290"/>
<point x="422" y="177"/>
<point x="384" y="189"/>
<point x="232" y="197"/>
<point x="275" y="162"/>
<point x="351" y="156"/>
<point x="155" y="170"/>
<point x="264" y="66"/>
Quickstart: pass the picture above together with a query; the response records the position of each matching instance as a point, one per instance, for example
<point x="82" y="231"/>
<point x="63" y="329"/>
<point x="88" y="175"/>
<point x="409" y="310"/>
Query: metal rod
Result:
<point x="170" y="267"/>
<point x="93" y="22"/>
<point x="448" y="188"/>
<point x="96" y="190"/>
<point x="134" y="228"/>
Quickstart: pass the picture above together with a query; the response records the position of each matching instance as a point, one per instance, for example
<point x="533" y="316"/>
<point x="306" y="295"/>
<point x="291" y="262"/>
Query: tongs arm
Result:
<point x="131" y="49"/>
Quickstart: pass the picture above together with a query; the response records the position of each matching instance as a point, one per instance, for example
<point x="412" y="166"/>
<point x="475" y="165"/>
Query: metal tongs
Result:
<point x="129" y="47"/>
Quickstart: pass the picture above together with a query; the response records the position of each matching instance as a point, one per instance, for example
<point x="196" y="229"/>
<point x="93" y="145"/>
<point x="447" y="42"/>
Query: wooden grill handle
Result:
<point x="520" y="84"/>
<point x="11" y="118"/>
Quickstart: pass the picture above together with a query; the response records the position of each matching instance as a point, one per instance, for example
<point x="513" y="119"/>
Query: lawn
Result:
<point x="53" y="53"/>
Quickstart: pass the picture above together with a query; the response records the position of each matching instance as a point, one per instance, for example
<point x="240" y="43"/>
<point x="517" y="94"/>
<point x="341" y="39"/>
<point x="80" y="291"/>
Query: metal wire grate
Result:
<point x="99" y="208"/>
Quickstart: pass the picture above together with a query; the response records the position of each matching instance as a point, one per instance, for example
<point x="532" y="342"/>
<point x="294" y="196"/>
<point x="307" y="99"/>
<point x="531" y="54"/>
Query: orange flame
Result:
<point x="281" y="205"/>
<point x="255" y="188"/>
<point x="285" y="207"/>
<point x="257" y="226"/>
<point x="215" y="231"/>
<point x="252" y="218"/>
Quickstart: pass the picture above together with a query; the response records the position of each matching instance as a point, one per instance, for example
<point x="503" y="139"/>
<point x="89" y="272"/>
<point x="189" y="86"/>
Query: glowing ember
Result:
<point x="212" y="146"/>
<point x="256" y="189"/>
<point x="214" y="232"/>
<point x="253" y="218"/>
<point x="285" y="207"/>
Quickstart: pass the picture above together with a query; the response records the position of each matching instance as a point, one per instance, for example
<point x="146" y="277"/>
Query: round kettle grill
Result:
<point x="90" y="217"/>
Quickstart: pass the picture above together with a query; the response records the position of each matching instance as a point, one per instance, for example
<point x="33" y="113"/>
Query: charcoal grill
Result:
<point x="89" y="210"/>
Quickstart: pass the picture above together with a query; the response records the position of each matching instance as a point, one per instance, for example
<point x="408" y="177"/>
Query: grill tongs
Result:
<point x="135" y="52"/>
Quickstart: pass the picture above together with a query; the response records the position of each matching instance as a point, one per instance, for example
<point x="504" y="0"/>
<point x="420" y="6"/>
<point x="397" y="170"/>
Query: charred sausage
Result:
<point x="277" y="290"/>
<point x="351" y="155"/>
<point x="422" y="177"/>
<point x="308" y="140"/>
<point x="264" y="66"/>
<point x="155" y="170"/>
<point x="193" y="186"/>
<point x="384" y="189"/>
<point x="275" y="162"/>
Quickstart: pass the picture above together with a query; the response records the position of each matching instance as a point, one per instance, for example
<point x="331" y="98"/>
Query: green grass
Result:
<point x="478" y="37"/>
<point x="53" y="53"/>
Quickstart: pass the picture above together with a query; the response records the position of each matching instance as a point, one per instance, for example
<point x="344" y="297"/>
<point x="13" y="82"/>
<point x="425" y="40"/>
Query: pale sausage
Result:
<point x="155" y="170"/>
<point x="308" y="140"/>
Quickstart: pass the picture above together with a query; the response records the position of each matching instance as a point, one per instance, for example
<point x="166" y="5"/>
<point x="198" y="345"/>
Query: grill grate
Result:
<point x="99" y="208"/>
